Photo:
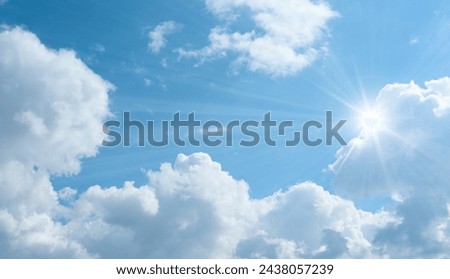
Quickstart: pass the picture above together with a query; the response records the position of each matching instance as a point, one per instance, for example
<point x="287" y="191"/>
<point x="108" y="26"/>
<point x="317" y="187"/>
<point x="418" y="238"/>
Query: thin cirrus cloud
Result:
<point x="286" y="36"/>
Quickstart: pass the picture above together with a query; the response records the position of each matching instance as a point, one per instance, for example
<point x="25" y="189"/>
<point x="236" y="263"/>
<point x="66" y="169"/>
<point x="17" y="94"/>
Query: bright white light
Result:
<point x="371" y="121"/>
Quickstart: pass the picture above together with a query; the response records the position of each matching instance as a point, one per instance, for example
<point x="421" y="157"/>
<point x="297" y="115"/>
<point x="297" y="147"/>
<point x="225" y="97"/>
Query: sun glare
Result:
<point x="370" y="121"/>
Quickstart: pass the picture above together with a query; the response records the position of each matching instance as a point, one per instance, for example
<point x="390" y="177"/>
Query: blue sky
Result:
<point x="296" y="59"/>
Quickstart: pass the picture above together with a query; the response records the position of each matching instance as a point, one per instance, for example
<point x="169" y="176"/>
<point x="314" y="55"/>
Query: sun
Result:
<point x="371" y="121"/>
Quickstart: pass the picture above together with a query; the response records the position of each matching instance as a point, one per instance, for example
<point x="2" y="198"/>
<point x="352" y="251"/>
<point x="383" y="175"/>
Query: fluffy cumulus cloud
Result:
<point x="307" y="221"/>
<point x="284" y="39"/>
<point x="194" y="209"/>
<point x="158" y="35"/>
<point x="112" y="222"/>
<point x="52" y="103"/>
<point x="191" y="209"/>
<point x="52" y="111"/>
<point x="405" y="156"/>
<point x="28" y="217"/>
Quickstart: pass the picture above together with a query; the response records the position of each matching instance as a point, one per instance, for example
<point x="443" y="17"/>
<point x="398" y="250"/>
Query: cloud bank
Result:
<point x="194" y="209"/>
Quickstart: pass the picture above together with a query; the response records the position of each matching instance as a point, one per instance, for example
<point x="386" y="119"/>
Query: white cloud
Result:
<point x="284" y="40"/>
<point x="112" y="222"/>
<point x="52" y="111"/>
<point x="28" y="213"/>
<point x="51" y="104"/>
<point x="408" y="151"/>
<point x="67" y="194"/>
<point x="147" y="82"/>
<point x="408" y="157"/>
<point x="164" y="63"/>
<point x="307" y="221"/>
<point x="192" y="209"/>
<point x="98" y="48"/>
<point x="158" y="35"/>
<point x="117" y="203"/>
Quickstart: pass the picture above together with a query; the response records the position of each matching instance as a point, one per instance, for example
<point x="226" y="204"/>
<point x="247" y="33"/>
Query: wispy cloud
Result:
<point x="414" y="40"/>
<point x="158" y="35"/>
<point x="53" y="110"/>
<point x="98" y="48"/>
